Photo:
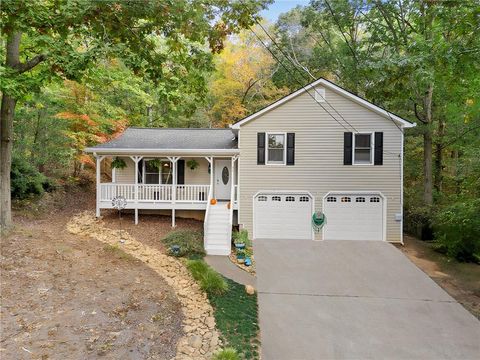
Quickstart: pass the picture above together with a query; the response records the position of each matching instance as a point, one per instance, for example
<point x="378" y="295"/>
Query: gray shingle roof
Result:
<point x="164" y="138"/>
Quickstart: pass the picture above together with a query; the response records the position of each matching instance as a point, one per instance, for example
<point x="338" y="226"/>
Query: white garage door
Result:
<point x="353" y="217"/>
<point x="283" y="216"/>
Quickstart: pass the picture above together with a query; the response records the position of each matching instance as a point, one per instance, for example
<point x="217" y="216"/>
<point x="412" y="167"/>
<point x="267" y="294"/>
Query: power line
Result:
<point x="299" y="82"/>
<point x="301" y="73"/>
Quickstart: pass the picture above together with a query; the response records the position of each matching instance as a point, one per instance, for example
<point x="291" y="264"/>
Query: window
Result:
<point x="157" y="172"/>
<point x="375" y="199"/>
<point x="151" y="171"/>
<point x="276" y="149"/>
<point x="167" y="172"/>
<point x="362" y="150"/>
<point x="262" y="198"/>
<point x="276" y="198"/>
<point x="304" y="199"/>
<point x="290" y="198"/>
<point x="331" y="199"/>
<point x="346" y="199"/>
<point x="360" y="199"/>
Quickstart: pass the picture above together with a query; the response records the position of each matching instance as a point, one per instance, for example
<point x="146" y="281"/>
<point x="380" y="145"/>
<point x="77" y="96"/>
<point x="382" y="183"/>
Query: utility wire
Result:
<point x="295" y="78"/>
<point x="302" y="73"/>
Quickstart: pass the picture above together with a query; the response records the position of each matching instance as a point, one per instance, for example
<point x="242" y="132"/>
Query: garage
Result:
<point x="283" y="215"/>
<point x="354" y="216"/>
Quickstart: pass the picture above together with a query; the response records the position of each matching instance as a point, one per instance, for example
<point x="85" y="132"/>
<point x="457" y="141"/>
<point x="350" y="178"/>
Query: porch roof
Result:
<point x="170" y="141"/>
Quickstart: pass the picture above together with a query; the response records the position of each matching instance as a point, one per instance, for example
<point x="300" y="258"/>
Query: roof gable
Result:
<point x="337" y="89"/>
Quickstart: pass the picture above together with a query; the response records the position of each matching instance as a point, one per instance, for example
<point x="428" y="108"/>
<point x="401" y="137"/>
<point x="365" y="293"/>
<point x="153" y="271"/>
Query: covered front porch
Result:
<point x="159" y="181"/>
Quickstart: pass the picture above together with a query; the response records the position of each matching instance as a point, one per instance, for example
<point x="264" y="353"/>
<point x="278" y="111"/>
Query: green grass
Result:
<point x="236" y="314"/>
<point x="226" y="354"/>
<point x="118" y="252"/>
<point x="210" y="281"/>
<point x="190" y="242"/>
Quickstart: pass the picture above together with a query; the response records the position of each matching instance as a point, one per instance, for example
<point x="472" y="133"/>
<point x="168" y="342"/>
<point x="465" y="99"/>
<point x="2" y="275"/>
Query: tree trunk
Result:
<point x="428" y="149"/>
<point x="6" y="131"/>
<point x="438" y="184"/>
<point x="6" y="134"/>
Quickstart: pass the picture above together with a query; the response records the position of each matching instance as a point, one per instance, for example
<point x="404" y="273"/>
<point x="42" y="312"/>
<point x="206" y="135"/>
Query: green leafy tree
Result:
<point x="417" y="58"/>
<point x="45" y="40"/>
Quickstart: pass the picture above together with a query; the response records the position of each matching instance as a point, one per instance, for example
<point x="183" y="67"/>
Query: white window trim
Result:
<point x="159" y="171"/>
<point x="372" y="148"/>
<point x="284" y="148"/>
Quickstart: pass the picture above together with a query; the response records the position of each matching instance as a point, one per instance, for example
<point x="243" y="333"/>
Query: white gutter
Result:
<point x="200" y="152"/>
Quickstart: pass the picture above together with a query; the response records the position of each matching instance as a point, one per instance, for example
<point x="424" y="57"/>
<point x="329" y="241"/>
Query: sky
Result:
<point x="281" y="6"/>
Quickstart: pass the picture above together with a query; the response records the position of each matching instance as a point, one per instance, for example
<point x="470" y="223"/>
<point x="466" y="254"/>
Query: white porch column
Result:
<point x="174" y="160"/>
<point x="210" y="161"/>
<point x="98" y="171"/>
<point x="234" y="159"/>
<point x="136" y="160"/>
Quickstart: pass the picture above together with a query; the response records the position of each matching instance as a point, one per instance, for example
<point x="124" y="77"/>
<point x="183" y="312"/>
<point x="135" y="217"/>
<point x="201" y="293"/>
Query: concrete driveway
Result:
<point x="355" y="300"/>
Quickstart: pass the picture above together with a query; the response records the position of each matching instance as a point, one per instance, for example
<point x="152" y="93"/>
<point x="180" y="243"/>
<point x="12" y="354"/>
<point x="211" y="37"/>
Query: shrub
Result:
<point x="226" y="354"/>
<point x="26" y="180"/>
<point x="457" y="230"/>
<point x="241" y="237"/>
<point x="210" y="281"/>
<point x="190" y="242"/>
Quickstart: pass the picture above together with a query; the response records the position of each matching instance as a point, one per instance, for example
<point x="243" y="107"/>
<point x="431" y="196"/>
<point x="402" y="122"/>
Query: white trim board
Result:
<point x="386" y="114"/>
<point x="161" y="152"/>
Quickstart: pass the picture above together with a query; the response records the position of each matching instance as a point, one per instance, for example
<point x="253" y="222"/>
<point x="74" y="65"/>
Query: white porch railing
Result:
<point x="192" y="193"/>
<point x="155" y="193"/>
<point x="110" y="190"/>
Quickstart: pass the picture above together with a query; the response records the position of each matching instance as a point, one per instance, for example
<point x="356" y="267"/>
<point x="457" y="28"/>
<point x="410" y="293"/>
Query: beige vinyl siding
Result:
<point x="199" y="176"/>
<point x="319" y="165"/>
<point x="127" y="174"/>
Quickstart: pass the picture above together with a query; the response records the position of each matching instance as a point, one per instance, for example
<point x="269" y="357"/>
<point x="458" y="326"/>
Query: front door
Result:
<point x="223" y="179"/>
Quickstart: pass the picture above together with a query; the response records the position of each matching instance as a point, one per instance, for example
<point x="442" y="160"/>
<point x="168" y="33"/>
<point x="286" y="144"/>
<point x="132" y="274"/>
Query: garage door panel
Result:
<point x="360" y="219"/>
<point x="288" y="218"/>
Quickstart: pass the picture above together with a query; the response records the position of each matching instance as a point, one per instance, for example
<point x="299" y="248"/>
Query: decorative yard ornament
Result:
<point x="119" y="203"/>
<point x="318" y="221"/>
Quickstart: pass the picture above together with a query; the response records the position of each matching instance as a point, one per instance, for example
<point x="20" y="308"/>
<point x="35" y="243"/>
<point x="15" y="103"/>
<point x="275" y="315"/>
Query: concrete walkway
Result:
<point x="355" y="300"/>
<point x="224" y="266"/>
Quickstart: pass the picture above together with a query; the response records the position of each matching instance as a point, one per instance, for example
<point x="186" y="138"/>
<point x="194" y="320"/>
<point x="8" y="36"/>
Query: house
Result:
<point x="321" y="148"/>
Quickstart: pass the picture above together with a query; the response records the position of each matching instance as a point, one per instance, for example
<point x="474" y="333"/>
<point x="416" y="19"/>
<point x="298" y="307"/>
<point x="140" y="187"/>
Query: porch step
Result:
<point x="218" y="231"/>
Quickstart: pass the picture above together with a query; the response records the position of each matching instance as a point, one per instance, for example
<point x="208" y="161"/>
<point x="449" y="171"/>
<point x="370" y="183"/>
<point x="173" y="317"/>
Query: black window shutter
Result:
<point x="140" y="171"/>
<point x="181" y="172"/>
<point x="291" y="149"/>
<point x="378" y="154"/>
<point x="260" y="148"/>
<point x="347" y="148"/>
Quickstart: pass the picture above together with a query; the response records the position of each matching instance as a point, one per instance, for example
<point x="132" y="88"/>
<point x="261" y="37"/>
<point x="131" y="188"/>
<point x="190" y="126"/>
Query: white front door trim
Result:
<point x="379" y="193"/>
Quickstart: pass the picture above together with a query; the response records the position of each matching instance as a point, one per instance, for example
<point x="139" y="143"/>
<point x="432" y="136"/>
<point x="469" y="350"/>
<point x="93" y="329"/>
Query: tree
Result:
<point x="406" y="55"/>
<point x="46" y="39"/>
<point x="242" y="82"/>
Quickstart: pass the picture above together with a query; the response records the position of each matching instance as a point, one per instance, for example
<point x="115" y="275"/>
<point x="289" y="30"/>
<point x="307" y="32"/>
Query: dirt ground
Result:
<point x="151" y="228"/>
<point x="460" y="280"/>
<point x="70" y="297"/>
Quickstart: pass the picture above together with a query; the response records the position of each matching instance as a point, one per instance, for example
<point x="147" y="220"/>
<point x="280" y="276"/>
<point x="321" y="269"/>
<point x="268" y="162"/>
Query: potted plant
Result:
<point x="118" y="163"/>
<point x="192" y="164"/>
<point x="240" y="256"/>
<point x="240" y="239"/>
